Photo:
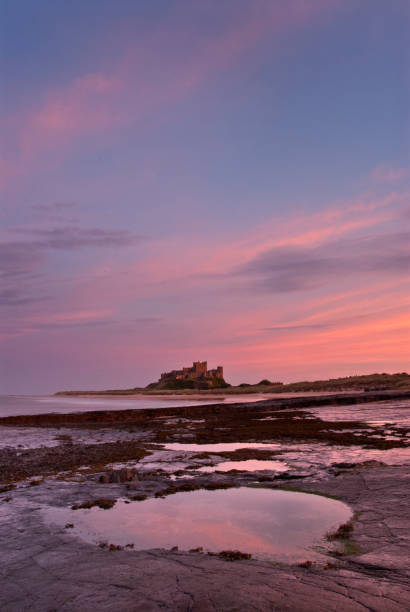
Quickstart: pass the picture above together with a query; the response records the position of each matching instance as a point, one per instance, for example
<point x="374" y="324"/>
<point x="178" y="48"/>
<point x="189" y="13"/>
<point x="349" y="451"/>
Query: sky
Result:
<point x="203" y="180"/>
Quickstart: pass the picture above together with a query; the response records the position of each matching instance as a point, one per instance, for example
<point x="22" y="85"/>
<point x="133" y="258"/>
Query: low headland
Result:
<point x="365" y="382"/>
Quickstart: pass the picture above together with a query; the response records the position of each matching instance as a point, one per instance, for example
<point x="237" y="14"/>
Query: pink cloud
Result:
<point x="124" y="91"/>
<point x="80" y="108"/>
<point x="388" y="174"/>
<point x="347" y="349"/>
<point x="296" y="230"/>
<point x="8" y="171"/>
<point x="77" y="316"/>
<point x="196" y="270"/>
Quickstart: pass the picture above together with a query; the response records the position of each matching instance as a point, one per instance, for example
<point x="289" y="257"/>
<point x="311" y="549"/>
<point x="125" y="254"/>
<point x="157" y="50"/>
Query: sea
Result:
<point x="16" y="405"/>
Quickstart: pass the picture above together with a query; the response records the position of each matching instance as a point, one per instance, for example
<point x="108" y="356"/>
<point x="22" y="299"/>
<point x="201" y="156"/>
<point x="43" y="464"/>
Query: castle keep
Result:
<point x="199" y="371"/>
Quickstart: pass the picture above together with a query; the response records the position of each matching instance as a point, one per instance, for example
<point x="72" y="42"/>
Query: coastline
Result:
<point x="350" y="384"/>
<point x="45" y="566"/>
<point x="218" y="410"/>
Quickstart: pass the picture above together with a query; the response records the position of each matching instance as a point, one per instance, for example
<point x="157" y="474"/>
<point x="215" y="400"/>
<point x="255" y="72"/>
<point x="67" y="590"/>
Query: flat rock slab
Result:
<point x="45" y="568"/>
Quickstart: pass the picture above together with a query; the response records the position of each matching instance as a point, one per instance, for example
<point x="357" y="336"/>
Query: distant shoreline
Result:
<point x="350" y="384"/>
<point x="120" y="417"/>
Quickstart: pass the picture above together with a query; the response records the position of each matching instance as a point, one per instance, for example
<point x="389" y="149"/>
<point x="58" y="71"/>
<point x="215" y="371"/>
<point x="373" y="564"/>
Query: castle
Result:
<point x="199" y="371"/>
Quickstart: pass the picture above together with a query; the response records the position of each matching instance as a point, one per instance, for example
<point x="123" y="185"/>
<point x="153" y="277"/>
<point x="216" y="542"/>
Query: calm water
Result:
<point x="249" y="465"/>
<point x="278" y="525"/>
<point x="374" y="413"/>
<point x="219" y="446"/>
<point x="310" y="455"/>
<point x="42" y="404"/>
<point x="11" y="405"/>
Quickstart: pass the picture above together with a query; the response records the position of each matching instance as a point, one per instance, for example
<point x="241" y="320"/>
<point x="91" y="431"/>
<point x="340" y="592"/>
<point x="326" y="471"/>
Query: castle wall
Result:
<point x="199" y="369"/>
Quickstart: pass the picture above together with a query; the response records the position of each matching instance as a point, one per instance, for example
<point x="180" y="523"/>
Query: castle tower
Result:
<point x="219" y="372"/>
<point x="200" y="368"/>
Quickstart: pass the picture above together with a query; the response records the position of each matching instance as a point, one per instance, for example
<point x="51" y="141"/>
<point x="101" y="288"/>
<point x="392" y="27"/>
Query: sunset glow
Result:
<point x="191" y="180"/>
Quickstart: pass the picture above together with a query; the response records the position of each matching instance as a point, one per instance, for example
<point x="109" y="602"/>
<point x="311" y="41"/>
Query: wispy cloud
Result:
<point x="23" y="262"/>
<point x="297" y="327"/>
<point x="388" y="174"/>
<point x="284" y="269"/>
<point x="17" y="260"/>
<point x="125" y="91"/>
<point x="74" y="237"/>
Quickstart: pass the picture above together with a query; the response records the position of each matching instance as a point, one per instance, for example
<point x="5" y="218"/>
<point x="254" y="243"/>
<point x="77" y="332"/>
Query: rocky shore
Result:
<point x="46" y="567"/>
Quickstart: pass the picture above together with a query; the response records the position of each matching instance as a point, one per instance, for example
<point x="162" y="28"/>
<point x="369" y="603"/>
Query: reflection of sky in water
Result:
<point x="280" y="525"/>
<point x="35" y="437"/>
<point x="321" y="455"/>
<point x="250" y="465"/>
<point x="220" y="446"/>
<point x="31" y="404"/>
<point x="43" y="404"/>
<point x="376" y="413"/>
<point x="300" y="455"/>
<point x="316" y="455"/>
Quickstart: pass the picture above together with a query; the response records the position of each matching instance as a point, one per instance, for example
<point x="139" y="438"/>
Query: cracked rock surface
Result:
<point x="45" y="568"/>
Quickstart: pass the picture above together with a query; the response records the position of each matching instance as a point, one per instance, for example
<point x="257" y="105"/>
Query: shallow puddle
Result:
<point x="323" y="455"/>
<point x="250" y="465"/>
<point x="270" y="524"/>
<point x="373" y="413"/>
<point x="219" y="446"/>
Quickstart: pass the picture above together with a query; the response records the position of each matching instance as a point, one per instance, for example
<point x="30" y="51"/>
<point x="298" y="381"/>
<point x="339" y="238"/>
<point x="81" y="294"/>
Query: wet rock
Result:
<point x="213" y="486"/>
<point x="103" y="503"/>
<point x="344" y="465"/>
<point x="38" y="573"/>
<point x="119" y="476"/>
<point x="342" y="533"/>
<point x="44" y="461"/>
<point x="139" y="497"/>
<point x="306" y="564"/>
<point x="234" y="555"/>
<point x="288" y="476"/>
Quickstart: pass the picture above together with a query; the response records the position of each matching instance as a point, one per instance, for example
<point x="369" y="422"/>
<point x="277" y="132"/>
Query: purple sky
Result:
<point x="203" y="180"/>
